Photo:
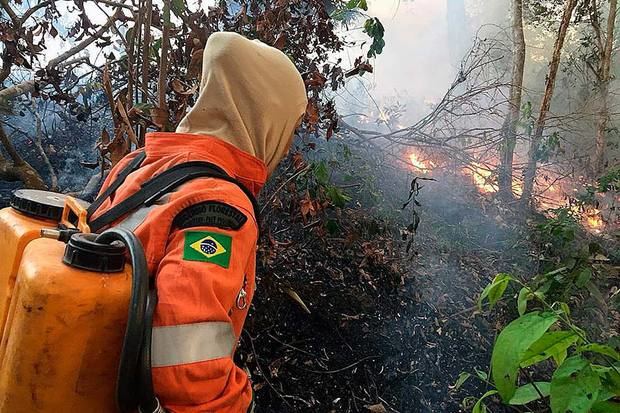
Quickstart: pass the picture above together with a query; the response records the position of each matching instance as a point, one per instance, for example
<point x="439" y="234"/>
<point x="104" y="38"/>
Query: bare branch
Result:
<point x="58" y="62"/>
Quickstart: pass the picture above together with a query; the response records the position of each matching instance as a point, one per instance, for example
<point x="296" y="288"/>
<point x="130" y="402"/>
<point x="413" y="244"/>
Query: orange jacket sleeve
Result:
<point x="203" y="282"/>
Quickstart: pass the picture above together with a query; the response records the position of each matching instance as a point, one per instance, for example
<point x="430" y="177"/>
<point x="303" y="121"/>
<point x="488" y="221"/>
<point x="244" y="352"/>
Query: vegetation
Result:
<point x="454" y="250"/>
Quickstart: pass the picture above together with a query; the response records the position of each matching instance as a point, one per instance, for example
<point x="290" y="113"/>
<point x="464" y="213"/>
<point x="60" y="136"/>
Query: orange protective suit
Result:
<point x="200" y="240"/>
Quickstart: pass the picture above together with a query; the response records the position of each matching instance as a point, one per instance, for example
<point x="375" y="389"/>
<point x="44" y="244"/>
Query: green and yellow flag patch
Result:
<point x="208" y="247"/>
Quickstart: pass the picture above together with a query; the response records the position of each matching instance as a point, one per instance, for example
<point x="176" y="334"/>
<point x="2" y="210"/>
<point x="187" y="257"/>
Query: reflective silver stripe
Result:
<point x="137" y="217"/>
<point x="191" y="343"/>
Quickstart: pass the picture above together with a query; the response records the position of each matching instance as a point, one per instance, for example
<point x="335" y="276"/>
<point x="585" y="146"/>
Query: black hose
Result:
<point x="148" y="402"/>
<point x="128" y="391"/>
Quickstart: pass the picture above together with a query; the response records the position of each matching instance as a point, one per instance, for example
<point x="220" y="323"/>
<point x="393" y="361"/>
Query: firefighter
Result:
<point x="200" y="238"/>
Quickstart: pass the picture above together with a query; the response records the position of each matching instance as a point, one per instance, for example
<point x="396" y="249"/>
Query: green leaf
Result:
<point x="495" y="290"/>
<point x="321" y="173"/>
<point x="479" y="407"/>
<point x="178" y="6"/>
<point x="606" y="407"/>
<point x="375" y="30"/>
<point x="337" y="196"/>
<point x="574" y="386"/>
<point x="601" y="349"/>
<point x="166" y="13"/>
<point x="565" y="308"/>
<point x="461" y="380"/>
<point x="333" y="227"/>
<point x="522" y="299"/>
<point x="481" y="374"/>
<point x="528" y="393"/>
<point x="551" y="344"/>
<point x="611" y="379"/>
<point x="357" y="4"/>
<point x="512" y="344"/>
<point x="583" y="278"/>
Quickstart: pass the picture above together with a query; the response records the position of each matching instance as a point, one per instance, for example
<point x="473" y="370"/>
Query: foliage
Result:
<point x="608" y="182"/>
<point x="573" y="372"/>
<point x="586" y="374"/>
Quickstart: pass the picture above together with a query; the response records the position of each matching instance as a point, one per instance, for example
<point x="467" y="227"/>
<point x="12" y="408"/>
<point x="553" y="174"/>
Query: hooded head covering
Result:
<point x="251" y="96"/>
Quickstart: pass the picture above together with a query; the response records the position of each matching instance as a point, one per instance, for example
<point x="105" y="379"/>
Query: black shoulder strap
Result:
<point x="165" y="182"/>
<point x="120" y="178"/>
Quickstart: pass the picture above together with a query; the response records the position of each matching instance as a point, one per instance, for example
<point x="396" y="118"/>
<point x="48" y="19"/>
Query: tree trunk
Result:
<point x="603" y="114"/>
<point x="530" y="171"/>
<point x="516" y="87"/>
<point x="163" y="63"/>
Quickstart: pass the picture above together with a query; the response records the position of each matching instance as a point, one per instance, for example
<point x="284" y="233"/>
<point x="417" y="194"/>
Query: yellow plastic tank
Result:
<point x="65" y="328"/>
<point x="30" y="211"/>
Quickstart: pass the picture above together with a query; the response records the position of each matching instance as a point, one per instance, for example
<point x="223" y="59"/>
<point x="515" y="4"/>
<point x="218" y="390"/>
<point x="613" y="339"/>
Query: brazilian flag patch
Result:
<point x="208" y="247"/>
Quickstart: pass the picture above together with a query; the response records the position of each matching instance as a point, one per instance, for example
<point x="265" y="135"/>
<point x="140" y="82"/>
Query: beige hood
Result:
<point x="251" y="95"/>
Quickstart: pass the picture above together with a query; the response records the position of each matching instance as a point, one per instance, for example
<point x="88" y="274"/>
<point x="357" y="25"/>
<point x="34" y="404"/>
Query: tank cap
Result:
<point x="84" y="253"/>
<point x="39" y="204"/>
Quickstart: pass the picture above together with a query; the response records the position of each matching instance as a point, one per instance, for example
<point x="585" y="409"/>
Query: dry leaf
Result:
<point x="179" y="88"/>
<point x="377" y="408"/>
<point x="280" y="41"/>
<point x="312" y="113"/>
<point x="121" y="109"/>
<point x="298" y="300"/>
<point x="194" y="69"/>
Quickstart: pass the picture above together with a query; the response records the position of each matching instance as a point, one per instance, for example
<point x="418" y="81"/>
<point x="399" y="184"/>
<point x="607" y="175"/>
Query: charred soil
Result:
<point x="351" y="322"/>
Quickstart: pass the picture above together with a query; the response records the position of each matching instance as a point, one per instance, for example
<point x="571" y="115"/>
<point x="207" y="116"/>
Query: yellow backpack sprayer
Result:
<point x="75" y="317"/>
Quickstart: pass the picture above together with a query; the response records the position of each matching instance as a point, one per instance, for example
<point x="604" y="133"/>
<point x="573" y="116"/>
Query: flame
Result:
<point x="481" y="176"/>
<point x="420" y="164"/>
<point x="593" y="220"/>
<point x="552" y="190"/>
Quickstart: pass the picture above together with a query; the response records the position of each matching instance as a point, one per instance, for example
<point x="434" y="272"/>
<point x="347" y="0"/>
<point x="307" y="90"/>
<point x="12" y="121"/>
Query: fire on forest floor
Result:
<point x="552" y="190"/>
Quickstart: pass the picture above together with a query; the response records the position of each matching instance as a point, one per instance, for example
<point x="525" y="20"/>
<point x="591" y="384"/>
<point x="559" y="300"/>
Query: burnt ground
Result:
<point x="384" y="330"/>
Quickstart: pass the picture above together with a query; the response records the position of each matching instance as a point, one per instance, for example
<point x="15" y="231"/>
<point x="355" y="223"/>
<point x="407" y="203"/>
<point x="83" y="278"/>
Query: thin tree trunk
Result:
<point x="603" y="115"/>
<point x="146" y="50"/>
<point x="516" y="88"/>
<point x="146" y="61"/>
<point x="163" y="65"/>
<point x="530" y="171"/>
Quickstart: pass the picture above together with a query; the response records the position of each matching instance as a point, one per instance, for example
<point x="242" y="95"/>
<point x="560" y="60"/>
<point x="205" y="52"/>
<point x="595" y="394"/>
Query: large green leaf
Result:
<point x="529" y="393"/>
<point x="512" y="344"/>
<point x="551" y="344"/>
<point x="574" y="386"/>
<point x="601" y="349"/>
<point x="606" y="407"/>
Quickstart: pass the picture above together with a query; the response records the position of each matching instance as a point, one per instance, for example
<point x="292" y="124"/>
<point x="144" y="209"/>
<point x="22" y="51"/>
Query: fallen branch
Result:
<point x="18" y="169"/>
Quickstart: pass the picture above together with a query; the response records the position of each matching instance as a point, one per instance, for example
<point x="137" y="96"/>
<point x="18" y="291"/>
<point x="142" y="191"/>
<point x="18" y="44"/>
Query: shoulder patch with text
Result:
<point x="210" y="214"/>
<point x="207" y="247"/>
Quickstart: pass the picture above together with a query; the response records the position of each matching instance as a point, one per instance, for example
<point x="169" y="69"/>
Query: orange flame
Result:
<point x="420" y="164"/>
<point x="593" y="220"/>
<point x="481" y="176"/>
<point x="551" y="193"/>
